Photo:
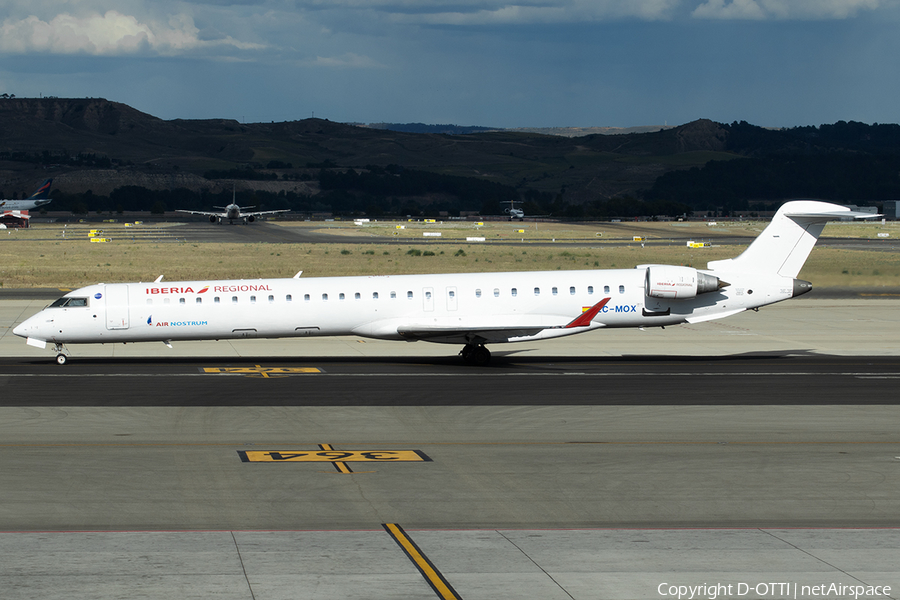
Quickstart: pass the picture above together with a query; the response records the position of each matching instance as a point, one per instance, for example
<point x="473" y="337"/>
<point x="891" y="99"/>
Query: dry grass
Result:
<point x="40" y="258"/>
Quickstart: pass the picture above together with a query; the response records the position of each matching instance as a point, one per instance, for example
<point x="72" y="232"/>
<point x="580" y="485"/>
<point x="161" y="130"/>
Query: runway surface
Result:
<point x="760" y="449"/>
<point x="510" y="380"/>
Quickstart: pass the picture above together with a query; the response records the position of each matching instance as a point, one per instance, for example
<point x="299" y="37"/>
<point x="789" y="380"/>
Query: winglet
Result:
<point x="584" y="320"/>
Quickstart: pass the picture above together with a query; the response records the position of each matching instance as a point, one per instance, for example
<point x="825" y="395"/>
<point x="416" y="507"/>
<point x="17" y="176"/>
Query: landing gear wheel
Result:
<point x="476" y="355"/>
<point x="481" y="356"/>
<point x="61" y="358"/>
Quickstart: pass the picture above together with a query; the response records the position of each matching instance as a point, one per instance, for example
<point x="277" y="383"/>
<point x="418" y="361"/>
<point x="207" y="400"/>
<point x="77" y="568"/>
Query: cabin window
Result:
<point x="271" y="299"/>
<point x="409" y="295"/>
<point x="234" y="299"/>
<point x="478" y="293"/>
<point x="605" y="289"/>
<point x="555" y="291"/>
<point x="393" y="295"/>
<point x="216" y="300"/>
<point x="452" y="294"/>
<point x="590" y="289"/>
<point x="572" y="290"/>
<point x="181" y="301"/>
<point x="166" y="301"/>
<point x="149" y="301"/>
<point x="356" y="296"/>
<point x="199" y="300"/>
<point x="514" y="291"/>
<point x="341" y="296"/>
<point x="428" y="295"/>
<point x="537" y="291"/>
<point x="324" y="297"/>
<point x="496" y="292"/>
<point x="621" y="289"/>
<point x="252" y="299"/>
<point x="288" y="298"/>
<point x="374" y="295"/>
<point x="306" y="297"/>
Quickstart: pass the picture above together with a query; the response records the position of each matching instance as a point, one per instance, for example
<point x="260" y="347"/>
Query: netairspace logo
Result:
<point x="772" y="590"/>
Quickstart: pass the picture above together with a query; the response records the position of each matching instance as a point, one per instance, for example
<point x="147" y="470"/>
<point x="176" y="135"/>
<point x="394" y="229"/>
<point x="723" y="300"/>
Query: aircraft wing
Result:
<point x="498" y="332"/>
<point x="264" y="212"/>
<point x="464" y="334"/>
<point x="200" y="212"/>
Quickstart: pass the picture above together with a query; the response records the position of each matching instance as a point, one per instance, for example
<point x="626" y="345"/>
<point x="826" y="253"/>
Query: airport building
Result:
<point x="14" y="219"/>
<point x="892" y="210"/>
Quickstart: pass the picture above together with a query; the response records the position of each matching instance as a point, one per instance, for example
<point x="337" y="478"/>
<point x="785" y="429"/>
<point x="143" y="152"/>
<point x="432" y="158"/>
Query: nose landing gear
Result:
<point x="61" y="354"/>
<point x="475" y="354"/>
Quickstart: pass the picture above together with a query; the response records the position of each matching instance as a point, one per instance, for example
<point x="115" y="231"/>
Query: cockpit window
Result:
<point x="69" y="302"/>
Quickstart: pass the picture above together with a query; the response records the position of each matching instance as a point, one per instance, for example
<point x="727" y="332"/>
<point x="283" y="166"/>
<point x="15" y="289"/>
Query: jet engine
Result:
<point x="213" y="219"/>
<point x="251" y="218"/>
<point x="665" y="281"/>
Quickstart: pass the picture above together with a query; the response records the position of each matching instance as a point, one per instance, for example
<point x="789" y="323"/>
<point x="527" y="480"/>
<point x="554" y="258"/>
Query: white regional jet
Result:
<point x="472" y="309"/>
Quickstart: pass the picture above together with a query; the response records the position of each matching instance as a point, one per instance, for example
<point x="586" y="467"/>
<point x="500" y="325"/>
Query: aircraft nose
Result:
<point x="27" y="328"/>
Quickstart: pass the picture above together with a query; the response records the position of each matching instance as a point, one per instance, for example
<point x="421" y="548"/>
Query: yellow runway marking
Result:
<point x="332" y="456"/>
<point x="432" y="575"/>
<point x="341" y="467"/>
<point x="260" y="371"/>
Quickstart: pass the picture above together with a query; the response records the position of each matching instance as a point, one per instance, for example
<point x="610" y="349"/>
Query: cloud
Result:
<point x="782" y="9"/>
<point x="348" y="60"/>
<point x="109" y="34"/>
<point x="504" y="12"/>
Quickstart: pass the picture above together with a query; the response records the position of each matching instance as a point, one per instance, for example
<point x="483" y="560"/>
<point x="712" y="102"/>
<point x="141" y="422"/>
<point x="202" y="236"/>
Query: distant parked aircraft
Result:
<point x="40" y="197"/>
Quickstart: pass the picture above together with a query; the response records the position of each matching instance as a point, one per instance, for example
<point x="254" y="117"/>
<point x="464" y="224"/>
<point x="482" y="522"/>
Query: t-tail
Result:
<point x="784" y="245"/>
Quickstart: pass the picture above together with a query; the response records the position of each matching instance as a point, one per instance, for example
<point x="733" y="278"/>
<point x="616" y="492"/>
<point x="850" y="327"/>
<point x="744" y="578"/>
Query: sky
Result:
<point x="497" y="63"/>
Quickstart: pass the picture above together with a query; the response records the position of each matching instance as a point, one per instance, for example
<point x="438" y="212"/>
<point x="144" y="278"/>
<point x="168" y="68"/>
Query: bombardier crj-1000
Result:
<point x="471" y="309"/>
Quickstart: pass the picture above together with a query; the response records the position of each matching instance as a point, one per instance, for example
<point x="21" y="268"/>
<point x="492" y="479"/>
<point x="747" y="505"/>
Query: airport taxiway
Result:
<point x="759" y="448"/>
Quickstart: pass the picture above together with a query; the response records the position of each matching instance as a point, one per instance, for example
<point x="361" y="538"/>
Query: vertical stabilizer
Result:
<point x="785" y="244"/>
<point x="43" y="192"/>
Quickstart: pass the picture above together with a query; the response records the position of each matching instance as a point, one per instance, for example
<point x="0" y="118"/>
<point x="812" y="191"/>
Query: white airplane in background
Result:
<point x="472" y="309"/>
<point x="40" y="197"/>
<point x="232" y="212"/>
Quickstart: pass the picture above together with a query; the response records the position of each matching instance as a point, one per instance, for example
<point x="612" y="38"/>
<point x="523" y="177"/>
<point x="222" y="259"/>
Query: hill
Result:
<point x="56" y="127"/>
<point x="101" y="146"/>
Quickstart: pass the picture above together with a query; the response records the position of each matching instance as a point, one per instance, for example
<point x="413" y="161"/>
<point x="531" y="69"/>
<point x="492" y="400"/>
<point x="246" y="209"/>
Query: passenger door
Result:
<point x="117" y="306"/>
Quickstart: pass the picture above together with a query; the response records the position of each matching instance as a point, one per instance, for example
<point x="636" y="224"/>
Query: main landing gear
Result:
<point x="475" y="354"/>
